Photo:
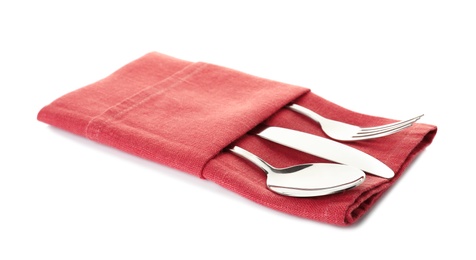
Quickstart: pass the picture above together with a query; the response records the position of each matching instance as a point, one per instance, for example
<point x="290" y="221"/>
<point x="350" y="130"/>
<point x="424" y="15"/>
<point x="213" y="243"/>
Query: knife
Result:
<point x="327" y="149"/>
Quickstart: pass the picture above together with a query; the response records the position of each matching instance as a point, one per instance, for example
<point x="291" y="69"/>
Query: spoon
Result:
<point x="306" y="180"/>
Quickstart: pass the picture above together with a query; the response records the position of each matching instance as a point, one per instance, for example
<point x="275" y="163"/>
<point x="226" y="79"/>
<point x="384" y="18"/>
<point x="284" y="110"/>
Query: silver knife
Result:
<point x="327" y="149"/>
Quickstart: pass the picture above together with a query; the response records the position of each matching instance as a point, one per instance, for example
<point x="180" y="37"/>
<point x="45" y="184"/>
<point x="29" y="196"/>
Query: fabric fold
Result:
<point x="184" y="114"/>
<point x="182" y="119"/>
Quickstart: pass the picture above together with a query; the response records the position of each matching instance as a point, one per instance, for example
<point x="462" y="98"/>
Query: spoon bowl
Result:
<point x="306" y="180"/>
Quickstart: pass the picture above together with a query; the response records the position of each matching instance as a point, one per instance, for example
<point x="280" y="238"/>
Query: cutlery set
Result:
<point x="197" y="117"/>
<point x="318" y="179"/>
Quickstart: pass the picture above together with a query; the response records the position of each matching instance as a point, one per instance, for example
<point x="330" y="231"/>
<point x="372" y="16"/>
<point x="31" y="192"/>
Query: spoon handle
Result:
<point x="252" y="158"/>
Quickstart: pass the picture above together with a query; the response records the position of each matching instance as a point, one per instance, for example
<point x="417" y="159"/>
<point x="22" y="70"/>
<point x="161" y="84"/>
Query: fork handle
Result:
<point x="306" y="112"/>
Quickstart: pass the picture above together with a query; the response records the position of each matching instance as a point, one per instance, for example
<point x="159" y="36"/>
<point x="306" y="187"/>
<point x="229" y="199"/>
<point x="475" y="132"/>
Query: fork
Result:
<point x="347" y="132"/>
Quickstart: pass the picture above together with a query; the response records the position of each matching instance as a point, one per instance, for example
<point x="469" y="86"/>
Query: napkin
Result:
<point x="185" y="114"/>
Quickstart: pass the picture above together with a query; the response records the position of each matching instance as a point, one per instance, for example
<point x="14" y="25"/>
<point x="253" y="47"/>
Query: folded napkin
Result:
<point x="183" y="115"/>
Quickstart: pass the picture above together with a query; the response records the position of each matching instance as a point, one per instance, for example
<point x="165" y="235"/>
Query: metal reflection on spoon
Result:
<point x="306" y="180"/>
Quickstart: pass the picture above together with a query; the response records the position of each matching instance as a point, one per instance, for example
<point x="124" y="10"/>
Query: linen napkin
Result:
<point x="185" y="114"/>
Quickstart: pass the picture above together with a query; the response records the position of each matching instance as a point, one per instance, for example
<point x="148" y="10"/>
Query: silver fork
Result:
<point x="347" y="132"/>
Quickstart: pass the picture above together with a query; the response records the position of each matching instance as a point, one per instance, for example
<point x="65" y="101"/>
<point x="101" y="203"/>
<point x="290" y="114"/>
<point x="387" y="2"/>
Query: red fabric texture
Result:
<point x="183" y="115"/>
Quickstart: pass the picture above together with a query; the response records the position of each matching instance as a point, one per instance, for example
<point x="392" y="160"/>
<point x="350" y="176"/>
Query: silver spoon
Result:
<point x="306" y="180"/>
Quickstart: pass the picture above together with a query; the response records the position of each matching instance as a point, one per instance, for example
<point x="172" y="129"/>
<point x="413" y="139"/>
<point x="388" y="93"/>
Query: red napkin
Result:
<point x="184" y="115"/>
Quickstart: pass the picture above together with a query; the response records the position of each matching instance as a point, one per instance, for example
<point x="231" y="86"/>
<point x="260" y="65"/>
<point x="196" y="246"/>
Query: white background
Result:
<point x="65" y="197"/>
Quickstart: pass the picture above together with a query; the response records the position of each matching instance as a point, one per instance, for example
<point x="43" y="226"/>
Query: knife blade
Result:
<point x="327" y="149"/>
